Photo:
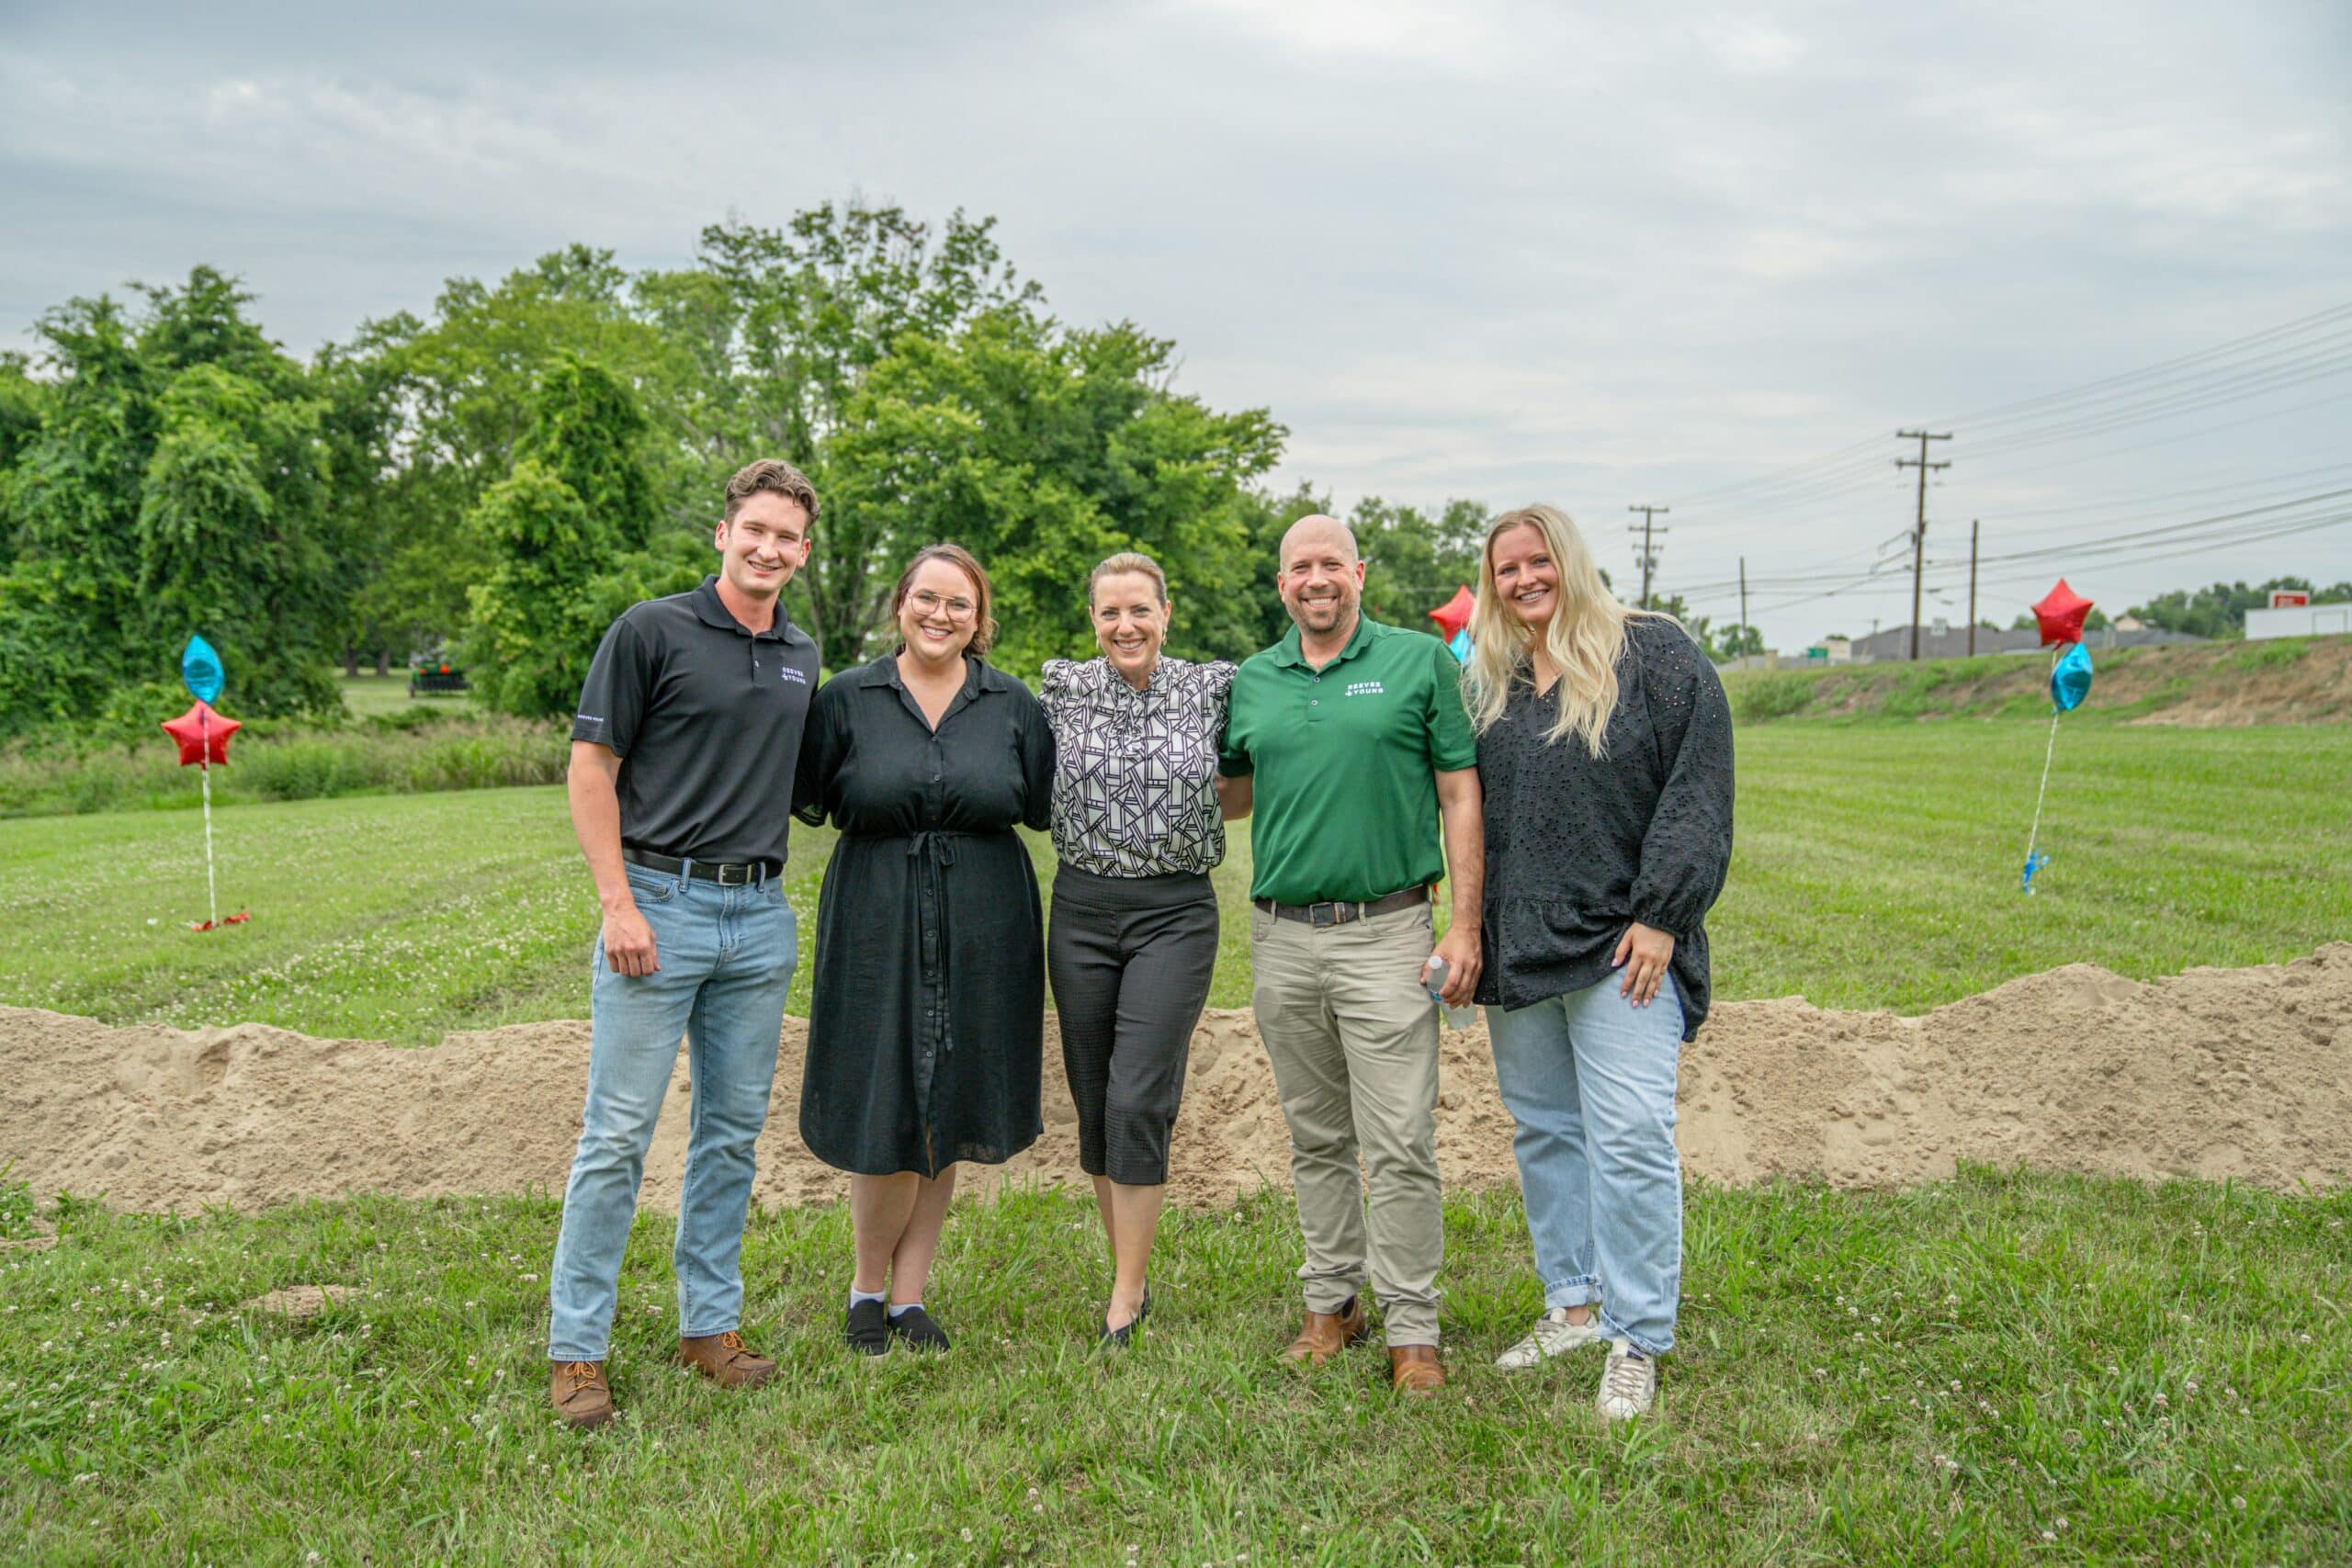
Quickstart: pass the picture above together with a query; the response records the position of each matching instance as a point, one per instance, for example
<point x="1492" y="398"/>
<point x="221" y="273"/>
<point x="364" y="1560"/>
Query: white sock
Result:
<point x="900" y="1309"/>
<point x="857" y="1295"/>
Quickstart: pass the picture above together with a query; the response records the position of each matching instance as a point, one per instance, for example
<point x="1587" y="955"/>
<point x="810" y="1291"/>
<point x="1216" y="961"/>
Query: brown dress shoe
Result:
<point x="1415" y="1369"/>
<point x="1325" y="1333"/>
<point x="726" y="1360"/>
<point x="579" y="1395"/>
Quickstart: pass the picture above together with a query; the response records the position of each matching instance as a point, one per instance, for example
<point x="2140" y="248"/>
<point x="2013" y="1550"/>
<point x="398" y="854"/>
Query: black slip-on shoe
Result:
<point x="915" y="1327"/>
<point x="1119" y="1338"/>
<point x="868" y="1332"/>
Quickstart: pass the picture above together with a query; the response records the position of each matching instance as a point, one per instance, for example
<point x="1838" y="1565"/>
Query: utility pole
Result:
<point x="1974" y="525"/>
<point x="1919" y="532"/>
<point x="1649" y="554"/>
<point x="1743" y="608"/>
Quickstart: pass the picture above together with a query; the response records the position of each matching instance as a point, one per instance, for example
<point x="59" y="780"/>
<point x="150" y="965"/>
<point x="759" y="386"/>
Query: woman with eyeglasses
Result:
<point x="926" y="1030"/>
<point x="1137" y="831"/>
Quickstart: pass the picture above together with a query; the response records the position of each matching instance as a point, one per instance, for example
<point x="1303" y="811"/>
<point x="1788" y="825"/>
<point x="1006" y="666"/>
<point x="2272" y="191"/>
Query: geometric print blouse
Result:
<point x="1134" y="773"/>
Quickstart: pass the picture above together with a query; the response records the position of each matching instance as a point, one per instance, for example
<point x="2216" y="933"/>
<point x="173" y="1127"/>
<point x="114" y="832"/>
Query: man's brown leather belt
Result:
<point x="1339" y="912"/>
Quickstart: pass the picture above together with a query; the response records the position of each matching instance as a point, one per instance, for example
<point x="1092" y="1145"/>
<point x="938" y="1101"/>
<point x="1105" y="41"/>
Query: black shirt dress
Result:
<point x="927" y="1027"/>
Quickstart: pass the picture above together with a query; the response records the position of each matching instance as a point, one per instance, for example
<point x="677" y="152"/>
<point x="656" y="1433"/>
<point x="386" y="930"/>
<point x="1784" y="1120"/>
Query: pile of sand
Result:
<point x="2236" y="1073"/>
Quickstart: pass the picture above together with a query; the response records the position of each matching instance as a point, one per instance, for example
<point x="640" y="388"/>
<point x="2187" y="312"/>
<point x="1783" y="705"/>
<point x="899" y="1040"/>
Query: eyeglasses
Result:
<point x="926" y="603"/>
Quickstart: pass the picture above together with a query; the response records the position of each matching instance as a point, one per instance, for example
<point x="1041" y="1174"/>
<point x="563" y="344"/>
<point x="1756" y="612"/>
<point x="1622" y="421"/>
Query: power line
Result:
<point x="2002" y="411"/>
<point x="2188" y="384"/>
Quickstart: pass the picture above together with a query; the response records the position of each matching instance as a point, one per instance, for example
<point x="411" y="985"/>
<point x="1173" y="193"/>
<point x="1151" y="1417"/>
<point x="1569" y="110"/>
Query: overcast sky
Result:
<point x="1484" y="250"/>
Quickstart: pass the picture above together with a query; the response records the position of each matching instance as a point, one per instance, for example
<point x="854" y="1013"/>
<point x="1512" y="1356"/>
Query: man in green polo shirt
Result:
<point x="1350" y="741"/>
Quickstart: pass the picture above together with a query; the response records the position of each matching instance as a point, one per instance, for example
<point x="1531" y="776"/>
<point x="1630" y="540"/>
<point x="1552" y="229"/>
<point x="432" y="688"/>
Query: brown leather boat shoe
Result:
<point x="1325" y="1333"/>
<point x="1415" y="1369"/>
<point x="582" y="1398"/>
<point x="726" y="1360"/>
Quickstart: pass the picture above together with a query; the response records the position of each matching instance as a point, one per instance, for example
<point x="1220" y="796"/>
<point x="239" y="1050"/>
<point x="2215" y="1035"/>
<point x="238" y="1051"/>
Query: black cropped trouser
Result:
<point x="1130" y="960"/>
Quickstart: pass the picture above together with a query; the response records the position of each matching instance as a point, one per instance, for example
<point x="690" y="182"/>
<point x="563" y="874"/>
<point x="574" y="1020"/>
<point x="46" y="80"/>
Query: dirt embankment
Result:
<point x="2289" y="681"/>
<point x="2216" y="1073"/>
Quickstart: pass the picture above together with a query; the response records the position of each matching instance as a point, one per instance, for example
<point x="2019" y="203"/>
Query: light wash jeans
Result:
<point x="726" y="957"/>
<point x="1589" y="1079"/>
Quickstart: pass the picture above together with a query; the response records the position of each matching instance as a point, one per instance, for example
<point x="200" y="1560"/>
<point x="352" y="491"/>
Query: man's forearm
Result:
<point x="1462" y="809"/>
<point x="596" y="822"/>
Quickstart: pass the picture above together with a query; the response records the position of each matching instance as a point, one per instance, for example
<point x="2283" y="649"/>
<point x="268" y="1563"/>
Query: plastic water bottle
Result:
<point x="1433" y="975"/>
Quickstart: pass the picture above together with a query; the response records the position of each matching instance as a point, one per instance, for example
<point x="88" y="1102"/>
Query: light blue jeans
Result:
<point x="726" y="957"/>
<point x="1589" y="1079"/>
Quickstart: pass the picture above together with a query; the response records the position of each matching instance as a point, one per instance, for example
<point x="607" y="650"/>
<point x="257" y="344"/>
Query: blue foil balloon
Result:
<point x="200" y="670"/>
<point x="1460" y="646"/>
<point x="2070" y="681"/>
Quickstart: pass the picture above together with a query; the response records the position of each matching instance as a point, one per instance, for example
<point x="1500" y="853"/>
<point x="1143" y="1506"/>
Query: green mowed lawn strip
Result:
<point x="1876" y="865"/>
<point x="1998" y="1368"/>
<point x="364" y="696"/>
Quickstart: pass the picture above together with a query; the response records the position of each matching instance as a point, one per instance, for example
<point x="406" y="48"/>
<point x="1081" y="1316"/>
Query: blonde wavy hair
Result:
<point x="1584" y="639"/>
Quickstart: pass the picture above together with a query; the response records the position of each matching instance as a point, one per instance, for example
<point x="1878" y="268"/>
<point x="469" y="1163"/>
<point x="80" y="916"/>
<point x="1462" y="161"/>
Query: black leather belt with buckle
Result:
<point x="736" y="874"/>
<point x="1339" y="912"/>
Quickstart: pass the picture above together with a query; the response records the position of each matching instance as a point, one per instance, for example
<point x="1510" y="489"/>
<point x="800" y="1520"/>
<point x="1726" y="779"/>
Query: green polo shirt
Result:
<point x="1343" y="805"/>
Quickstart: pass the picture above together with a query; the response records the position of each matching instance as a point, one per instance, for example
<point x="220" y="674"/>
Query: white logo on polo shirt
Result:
<point x="793" y="672"/>
<point x="1365" y="689"/>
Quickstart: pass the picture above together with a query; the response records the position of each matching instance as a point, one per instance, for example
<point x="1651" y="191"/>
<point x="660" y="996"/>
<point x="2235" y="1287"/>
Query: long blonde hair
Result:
<point x="1584" y="639"/>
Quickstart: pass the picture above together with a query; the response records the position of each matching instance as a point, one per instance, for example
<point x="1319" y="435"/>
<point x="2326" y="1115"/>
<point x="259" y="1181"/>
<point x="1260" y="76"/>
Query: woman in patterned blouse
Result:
<point x="1133" y="938"/>
<point x="1604" y="750"/>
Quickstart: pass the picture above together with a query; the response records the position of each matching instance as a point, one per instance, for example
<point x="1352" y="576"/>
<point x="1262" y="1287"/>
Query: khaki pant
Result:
<point x="1353" y="1036"/>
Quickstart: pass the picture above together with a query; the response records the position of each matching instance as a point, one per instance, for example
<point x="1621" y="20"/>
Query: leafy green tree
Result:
<point x="782" y="326"/>
<point x="170" y="486"/>
<point x="2216" y="611"/>
<point x="559" y="529"/>
<point x="231" y="541"/>
<point x="470" y="375"/>
<point x="402" y="589"/>
<point x="23" y="401"/>
<point x="1043" y="451"/>
<point x="1413" y="561"/>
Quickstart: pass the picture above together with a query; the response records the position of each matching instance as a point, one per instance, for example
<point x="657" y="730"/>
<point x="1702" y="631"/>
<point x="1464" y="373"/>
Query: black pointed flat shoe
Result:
<point x="1121" y="1337"/>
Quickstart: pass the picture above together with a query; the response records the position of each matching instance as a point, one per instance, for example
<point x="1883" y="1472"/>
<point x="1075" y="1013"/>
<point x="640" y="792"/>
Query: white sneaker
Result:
<point x="1552" y="1334"/>
<point x="1628" y="1384"/>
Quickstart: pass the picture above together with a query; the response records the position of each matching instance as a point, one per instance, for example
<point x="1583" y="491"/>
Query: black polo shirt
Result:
<point x="705" y="717"/>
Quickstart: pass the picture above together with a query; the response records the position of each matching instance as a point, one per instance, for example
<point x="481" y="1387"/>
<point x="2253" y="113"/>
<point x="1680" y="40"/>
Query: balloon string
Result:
<point x="211" y="899"/>
<point x="2049" y="751"/>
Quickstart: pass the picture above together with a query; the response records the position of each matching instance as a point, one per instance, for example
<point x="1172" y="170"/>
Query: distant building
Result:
<point x="2301" y="620"/>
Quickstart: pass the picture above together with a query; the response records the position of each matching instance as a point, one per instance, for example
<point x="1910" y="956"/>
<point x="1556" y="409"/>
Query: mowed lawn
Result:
<point x="2005" y="1368"/>
<point x="1876" y="866"/>
<point x="1996" y="1369"/>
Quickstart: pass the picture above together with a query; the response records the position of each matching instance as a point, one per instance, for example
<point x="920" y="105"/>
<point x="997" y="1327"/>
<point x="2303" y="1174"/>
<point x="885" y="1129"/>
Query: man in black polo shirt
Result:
<point x="683" y="755"/>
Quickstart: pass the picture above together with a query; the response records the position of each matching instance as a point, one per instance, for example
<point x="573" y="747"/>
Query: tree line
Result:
<point x="498" y="477"/>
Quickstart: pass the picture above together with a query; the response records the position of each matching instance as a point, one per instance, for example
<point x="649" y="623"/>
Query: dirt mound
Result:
<point x="2216" y="1073"/>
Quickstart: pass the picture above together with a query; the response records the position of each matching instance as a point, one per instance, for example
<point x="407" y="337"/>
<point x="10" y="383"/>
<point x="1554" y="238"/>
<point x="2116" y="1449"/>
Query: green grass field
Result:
<point x="1997" y="1369"/>
<point x="369" y="695"/>
<point x="2008" y="1368"/>
<point x="1876" y="866"/>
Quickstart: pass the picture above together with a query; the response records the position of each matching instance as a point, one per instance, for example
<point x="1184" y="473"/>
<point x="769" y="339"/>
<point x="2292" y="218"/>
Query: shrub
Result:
<point x="1756" y="699"/>
<point x="71" y="774"/>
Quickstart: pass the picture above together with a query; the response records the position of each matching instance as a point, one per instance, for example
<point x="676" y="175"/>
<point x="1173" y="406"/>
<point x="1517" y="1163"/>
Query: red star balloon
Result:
<point x="2059" y="615"/>
<point x="203" y="735"/>
<point x="1455" y="614"/>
